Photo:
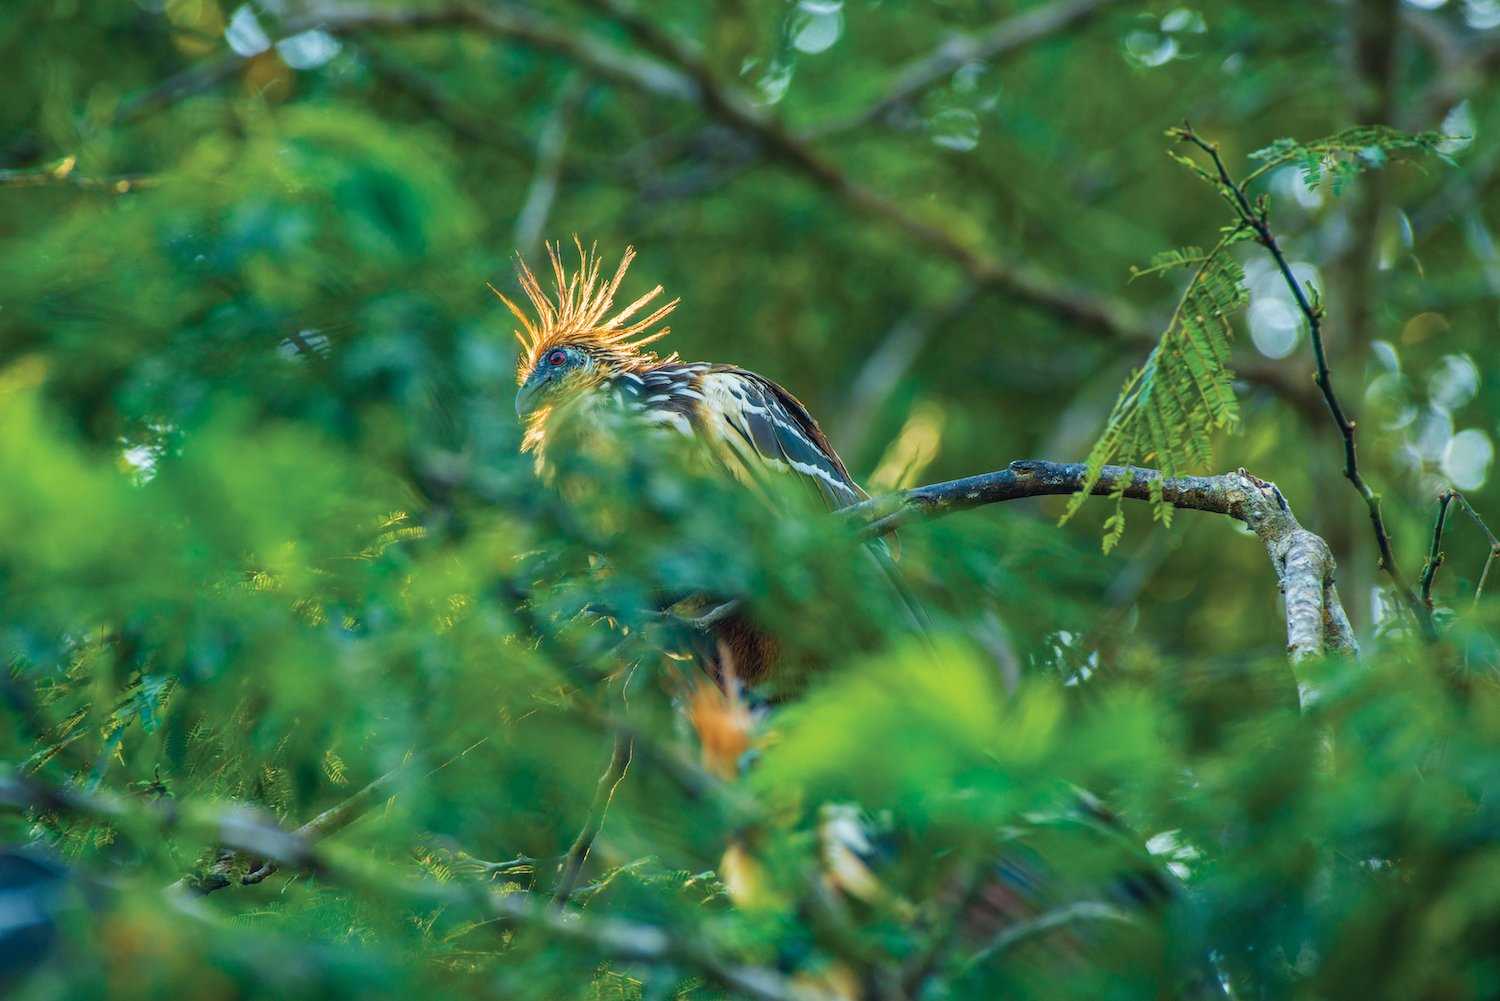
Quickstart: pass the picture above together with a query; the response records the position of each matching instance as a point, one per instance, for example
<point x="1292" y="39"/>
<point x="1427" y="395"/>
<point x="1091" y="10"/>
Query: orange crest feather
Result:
<point x="575" y="314"/>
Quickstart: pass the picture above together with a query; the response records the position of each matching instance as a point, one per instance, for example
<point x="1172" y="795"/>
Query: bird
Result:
<point x="586" y="364"/>
<point x="581" y="357"/>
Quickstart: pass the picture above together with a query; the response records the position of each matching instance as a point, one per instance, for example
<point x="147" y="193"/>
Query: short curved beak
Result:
<point x="527" y="395"/>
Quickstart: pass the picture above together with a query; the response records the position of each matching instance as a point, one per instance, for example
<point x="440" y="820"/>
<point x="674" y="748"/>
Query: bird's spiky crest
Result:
<point x="575" y="314"/>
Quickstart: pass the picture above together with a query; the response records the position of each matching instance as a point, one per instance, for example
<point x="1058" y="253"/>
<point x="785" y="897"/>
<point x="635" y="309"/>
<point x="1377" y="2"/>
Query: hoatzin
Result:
<point x="583" y="357"/>
<point x="582" y="353"/>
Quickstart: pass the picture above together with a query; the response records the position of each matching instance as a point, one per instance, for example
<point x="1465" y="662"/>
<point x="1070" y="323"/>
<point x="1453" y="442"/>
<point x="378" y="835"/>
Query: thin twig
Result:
<point x="62" y="172"/>
<point x="604" y="791"/>
<point x="513" y="868"/>
<point x="324" y="825"/>
<point x="1435" y="556"/>
<point x="1463" y="502"/>
<point x="332" y="820"/>
<point x="1494" y="541"/>
<point x="1484" y="574"/>
<point x="1257" y="218"/>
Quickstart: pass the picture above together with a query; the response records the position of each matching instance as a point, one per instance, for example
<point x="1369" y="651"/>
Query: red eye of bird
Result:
<point x="557" y="358"/>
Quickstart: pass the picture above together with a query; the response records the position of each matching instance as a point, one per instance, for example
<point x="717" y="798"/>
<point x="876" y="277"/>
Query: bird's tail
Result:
<point x="917" y="616"/>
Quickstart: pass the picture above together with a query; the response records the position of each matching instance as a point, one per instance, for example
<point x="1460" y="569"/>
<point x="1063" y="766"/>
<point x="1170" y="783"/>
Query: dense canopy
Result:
<point x="269" y="547"/>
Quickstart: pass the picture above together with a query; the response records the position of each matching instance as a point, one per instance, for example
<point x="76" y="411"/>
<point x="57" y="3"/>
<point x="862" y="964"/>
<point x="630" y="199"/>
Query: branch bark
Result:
<point x="62" y="173"/>
<point x="1316" y="623"/>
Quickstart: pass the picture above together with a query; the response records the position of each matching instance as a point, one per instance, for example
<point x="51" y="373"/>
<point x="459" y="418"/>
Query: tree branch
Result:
<point x="1484" y="574"/>
<point x="62" y="173"/>
<point x="333" y="819"/>
<point x="1015" y="934"/>
<point x="1435" y="556"/>
<point x="1315" y="618"/>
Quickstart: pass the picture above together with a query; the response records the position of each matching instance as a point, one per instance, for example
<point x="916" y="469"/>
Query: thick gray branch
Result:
<point x="1315" y="619"/>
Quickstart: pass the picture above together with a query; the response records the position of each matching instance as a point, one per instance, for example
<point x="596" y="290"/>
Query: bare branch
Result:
<point x="333" y="820"/>
<point x="1484" y="574"/>
<point x="62" y="172"/>
<point x="324" y="825"/>
<point x="1304" y="565"/>
<point x="684" y="77"/>
<point x="1463" y="502"/>
<point x="1000" y="39"/>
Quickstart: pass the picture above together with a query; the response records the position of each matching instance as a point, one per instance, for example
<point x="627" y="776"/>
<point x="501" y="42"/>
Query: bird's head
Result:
<point x="562" y="371"/>
<point x="573" y="343"/>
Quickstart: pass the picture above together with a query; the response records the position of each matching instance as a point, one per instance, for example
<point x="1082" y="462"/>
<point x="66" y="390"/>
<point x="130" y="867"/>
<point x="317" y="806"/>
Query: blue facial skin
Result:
<point x="554" y="366"/>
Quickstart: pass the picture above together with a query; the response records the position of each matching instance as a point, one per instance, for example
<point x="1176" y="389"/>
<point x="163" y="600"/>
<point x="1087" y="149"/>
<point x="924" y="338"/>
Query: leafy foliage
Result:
<point x="1346" y="154"/>
<point x="1170" y="406"/>
<point x="269" y="554"/>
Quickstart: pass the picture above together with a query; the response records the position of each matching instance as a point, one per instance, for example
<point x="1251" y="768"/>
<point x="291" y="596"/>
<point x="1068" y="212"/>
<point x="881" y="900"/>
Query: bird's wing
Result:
<point x="763" y="422"/>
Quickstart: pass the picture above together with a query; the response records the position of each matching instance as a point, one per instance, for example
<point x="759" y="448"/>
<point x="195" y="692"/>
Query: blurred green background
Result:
<point x="266" y="534"/>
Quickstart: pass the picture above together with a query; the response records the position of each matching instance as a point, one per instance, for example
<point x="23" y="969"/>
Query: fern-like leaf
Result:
<point x="1168" y="408"/>
<point x="1343" y="155"/>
